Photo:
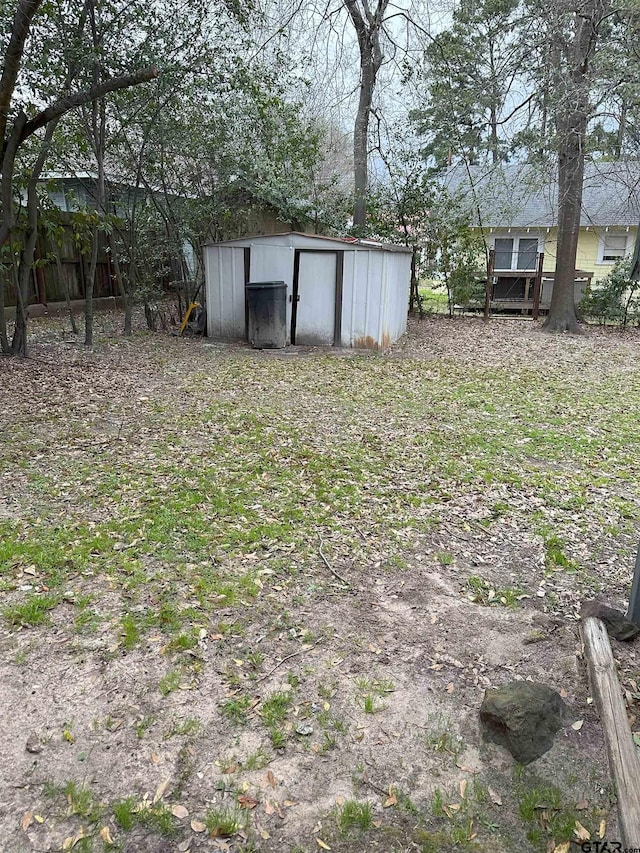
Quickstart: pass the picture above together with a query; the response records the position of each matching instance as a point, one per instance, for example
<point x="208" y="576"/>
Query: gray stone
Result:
<point x="33" y="744"/>
<point x="523" y="717"/>
<point x="616" y="623"/>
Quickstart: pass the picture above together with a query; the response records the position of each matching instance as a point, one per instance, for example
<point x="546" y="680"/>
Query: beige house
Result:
<point x="514" y="208"/>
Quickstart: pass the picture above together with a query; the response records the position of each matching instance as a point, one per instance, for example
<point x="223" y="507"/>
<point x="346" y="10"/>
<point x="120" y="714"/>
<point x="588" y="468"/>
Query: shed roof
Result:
<point x="525" y="195"/>
<point x="298" y="237"/>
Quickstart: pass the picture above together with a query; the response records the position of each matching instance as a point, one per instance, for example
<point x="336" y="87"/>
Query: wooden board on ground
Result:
<point x="623" y="757"/>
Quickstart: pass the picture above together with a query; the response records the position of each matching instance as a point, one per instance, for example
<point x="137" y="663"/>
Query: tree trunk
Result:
<point x="122" y="288"/>
<point x="4" y="339"/>
<point x="89" y="286"/>
<point x="27" y="255"/>
<point x="361" y="143"/>
<point x="25" y="268"/>
<point x="622" y="127"/>
<point x="562" y="315"/>
<point x="572" y="112"/>
<point x="62" y="279"/>
<point x="98" y="136"/>
<point x="494" y="145"/>
<point x="368" y="33"/>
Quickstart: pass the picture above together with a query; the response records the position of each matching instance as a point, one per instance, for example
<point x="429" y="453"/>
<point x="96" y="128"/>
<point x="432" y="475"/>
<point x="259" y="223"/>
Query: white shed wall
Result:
<point x="375" y="294"/>
<point x="224" y="271"/>
<point x="398" y="289"/>
<point x="375" y="297"/>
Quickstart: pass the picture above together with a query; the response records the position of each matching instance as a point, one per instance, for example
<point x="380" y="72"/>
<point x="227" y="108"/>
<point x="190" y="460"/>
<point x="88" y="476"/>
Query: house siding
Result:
<point x="587" y="254"/>
<point x="588" y="245"/>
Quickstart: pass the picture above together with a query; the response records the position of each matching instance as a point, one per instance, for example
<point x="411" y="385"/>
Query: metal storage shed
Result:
<point x="351" y="293"/>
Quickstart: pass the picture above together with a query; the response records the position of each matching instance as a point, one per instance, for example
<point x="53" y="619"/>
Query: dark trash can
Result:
<point x="267" y="314"/>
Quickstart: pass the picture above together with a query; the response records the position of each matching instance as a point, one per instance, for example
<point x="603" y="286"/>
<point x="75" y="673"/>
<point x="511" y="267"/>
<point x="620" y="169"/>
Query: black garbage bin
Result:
<point x="267" y="313"/>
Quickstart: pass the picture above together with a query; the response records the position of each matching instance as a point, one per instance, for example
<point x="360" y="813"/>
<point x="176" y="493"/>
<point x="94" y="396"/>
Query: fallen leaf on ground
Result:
<point x="198" y="826"/>
<point x="105" y="835"/>
<point x="582" y="805"/>
<point x="271" y="779"/>
<point x="27" y="820"/>
<point x="161" y="790"/>
<point x="577" y="725"/>
<point x="322" y="844"/>
<point x="391" y="800"/>
<point x="70" y="842"/>
<point x="179" y="811"/>
<point x="247" y="802"/>
<point x="463" y="788"/>
<point x="602" y="829"/>
<point x="562" y="848"/>
<point x="581" y="833"/>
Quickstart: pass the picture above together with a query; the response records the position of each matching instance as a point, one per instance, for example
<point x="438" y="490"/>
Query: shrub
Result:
<point x="616" y="299"/>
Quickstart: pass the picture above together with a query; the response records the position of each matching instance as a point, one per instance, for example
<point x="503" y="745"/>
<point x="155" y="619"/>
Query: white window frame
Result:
<point x="601" y="245"/>
<point x="516" y="237"/>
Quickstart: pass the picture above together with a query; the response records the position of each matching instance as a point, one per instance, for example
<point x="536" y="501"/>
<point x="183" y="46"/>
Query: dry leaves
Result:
<point x="391" y="799"/>
<point x="581" y="833"/>
<point x="179" y="811"/>
<point x="70" y="842"/>
<point x="105" y="835"/>
<point x="161" y="790"/>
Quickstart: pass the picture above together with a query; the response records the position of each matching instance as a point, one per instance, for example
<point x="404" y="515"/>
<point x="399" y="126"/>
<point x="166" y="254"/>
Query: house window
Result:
<point x="515" y="253"/>
<point x="503" y="253"/>
<point x="611" y="247"/>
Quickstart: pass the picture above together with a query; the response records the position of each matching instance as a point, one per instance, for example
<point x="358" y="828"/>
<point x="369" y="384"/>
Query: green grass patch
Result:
<point x="354" y="814"/>
<point x="482" y="591"/>
<point x="224" y="822"/>
<point x="34" y="610"/>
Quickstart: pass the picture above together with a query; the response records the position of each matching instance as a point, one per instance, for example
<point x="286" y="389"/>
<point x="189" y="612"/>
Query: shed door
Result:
<point x="313" y="321"/>
<point x="272" y="263"/>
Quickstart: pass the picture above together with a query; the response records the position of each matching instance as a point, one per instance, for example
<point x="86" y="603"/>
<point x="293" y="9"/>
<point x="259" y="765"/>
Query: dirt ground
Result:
<point x="341" y="655"/>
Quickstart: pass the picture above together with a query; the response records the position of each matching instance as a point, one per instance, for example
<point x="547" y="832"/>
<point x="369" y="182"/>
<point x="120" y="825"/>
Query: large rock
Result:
<point x="616" y="623"/>
<point x="523" y="717"/>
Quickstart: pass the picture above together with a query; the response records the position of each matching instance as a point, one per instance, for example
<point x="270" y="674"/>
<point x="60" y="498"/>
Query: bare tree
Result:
<point x="368" y="26"/>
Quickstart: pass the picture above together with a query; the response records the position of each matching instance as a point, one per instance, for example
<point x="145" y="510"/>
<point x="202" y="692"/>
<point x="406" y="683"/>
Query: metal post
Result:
<point x="633" y="612"/>
<point x="488" y="290"/>
<point x="537" y="287"/>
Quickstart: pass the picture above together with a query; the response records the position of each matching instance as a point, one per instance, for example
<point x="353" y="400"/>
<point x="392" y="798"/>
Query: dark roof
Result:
<point x="518" y="195"/>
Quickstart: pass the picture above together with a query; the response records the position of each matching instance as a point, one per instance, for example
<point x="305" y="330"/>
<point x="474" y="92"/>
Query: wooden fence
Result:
<point x="48" y="277"/>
